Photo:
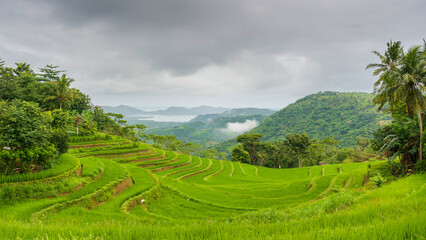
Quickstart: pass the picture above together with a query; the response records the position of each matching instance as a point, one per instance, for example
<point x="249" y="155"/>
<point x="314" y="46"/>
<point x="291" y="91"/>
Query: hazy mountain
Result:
<point x="236" y="112"/>
<point x="127" y="110"/>
<point x="123" y="109"/>
<point x="190" y="111"/>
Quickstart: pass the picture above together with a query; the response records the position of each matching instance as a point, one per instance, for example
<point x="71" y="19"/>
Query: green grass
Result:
<point x="192" y="198"/>
<point x="66" y="164"/>
<point x="91" y="167"/>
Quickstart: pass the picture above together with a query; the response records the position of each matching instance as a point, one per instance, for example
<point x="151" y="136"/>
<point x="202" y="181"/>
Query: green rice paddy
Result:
<point x="110" y="188"/>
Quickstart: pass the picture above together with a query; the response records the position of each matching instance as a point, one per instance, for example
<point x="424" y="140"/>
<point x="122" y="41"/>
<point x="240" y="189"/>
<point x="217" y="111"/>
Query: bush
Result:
<point x="25" y="134"/>
<point x="60" y="139"/>
<point x="378" y="180"/>
<point x="65" y="163"/>
<point x="421" y="166"/>
<point x="341" y="156"/>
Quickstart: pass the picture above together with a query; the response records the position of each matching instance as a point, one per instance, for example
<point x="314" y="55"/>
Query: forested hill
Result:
<point x="325" y="114"/>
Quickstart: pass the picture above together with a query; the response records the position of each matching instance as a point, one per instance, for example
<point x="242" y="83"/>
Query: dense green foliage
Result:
<point x="39" y="112"/>
<point x="401" y="85"/>
<point x="296" y="150"/>
<point x="325" y="114"/>
<point x="25" y="137"/>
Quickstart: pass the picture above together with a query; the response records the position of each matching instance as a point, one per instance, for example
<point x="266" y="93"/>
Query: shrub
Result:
<point x="60" y="139"/>
<point x="65" y="164"/>
<point x="341" y="156"/>
<point x="421" y="166"/>
<point x="378" y="180"/>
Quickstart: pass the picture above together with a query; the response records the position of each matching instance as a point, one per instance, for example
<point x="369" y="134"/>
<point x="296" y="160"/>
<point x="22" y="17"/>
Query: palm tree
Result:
<point x="401" y="78"/>
<point x="384" y="86"/>
<point x="62" y="89"/>
<point x="412" y="76"/>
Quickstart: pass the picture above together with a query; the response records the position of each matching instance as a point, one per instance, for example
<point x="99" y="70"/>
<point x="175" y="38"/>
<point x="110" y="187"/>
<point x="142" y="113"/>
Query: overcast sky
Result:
<point x="232" y="53"/>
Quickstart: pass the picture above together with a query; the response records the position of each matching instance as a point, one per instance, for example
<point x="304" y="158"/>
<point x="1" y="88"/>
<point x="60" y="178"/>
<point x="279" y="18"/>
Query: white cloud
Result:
<point x="237" y="127"/>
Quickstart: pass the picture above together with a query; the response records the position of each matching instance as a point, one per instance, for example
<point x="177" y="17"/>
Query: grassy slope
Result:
<point x="193" y="198"/>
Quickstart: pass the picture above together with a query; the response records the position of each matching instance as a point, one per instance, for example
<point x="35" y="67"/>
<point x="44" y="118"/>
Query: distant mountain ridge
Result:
<point x="236" y="112"/>
<point x="190" y="111"/>
<point x="123" y="109"/>
<point x="127" y="110"/>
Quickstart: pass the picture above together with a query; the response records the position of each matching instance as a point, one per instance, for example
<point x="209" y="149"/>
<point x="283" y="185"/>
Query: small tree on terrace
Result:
<point x="299" y="144"/>
<point x="240" y="155"/>
<point x="250" y="141"/>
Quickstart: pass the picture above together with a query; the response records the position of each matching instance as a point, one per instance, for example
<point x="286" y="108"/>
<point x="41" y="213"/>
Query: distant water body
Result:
<point x="167" y="118"/>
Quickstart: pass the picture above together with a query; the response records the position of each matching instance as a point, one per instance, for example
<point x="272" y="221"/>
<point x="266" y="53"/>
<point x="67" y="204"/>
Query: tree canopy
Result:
<point x="401" y="82"/>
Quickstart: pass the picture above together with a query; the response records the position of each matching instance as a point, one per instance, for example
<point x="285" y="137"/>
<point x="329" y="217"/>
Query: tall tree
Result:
<point x="362" y="143"/>
<point x="386" y="69"/>
<point x="49" y="73"/>
<point x="402" y="77"/>
<point x="250" y="141"/>
<point x="240" y="155"/>
<point x="299" y="144"/>
<point x="329" y="143"/>
<point x="62" y="89"/>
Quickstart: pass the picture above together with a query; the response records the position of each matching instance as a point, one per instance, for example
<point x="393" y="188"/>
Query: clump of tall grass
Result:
<point x="96" y="137"/>
<point x="13" y="193"/>
<point x="91" y="167"/>
<point x="66" y="164"/>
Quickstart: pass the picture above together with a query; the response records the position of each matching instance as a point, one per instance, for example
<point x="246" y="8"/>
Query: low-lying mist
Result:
<point x="238" y="127"/>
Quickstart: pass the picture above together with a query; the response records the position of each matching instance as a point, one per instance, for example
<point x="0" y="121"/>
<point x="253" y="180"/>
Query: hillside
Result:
<point x="325" y="114"/>
<point x="110" y="188"/>
<point x="210" y="130"/>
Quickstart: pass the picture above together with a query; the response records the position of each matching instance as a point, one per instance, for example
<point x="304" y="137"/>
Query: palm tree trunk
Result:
<point x="300" y="160"/>
<point x="421" y="135"/>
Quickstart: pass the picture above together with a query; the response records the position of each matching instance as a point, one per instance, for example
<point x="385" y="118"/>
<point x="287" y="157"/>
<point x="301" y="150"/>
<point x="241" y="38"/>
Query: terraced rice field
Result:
<point x="126" y="190"/>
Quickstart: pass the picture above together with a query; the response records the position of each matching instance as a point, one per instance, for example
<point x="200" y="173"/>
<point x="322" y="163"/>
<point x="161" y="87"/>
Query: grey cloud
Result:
<point x="151" y="47"/>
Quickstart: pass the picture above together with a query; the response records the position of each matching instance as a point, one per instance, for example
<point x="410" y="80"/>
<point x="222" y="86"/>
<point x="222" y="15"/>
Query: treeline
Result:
<point x="39" y="111"/>
<point x="296" y="150"/>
